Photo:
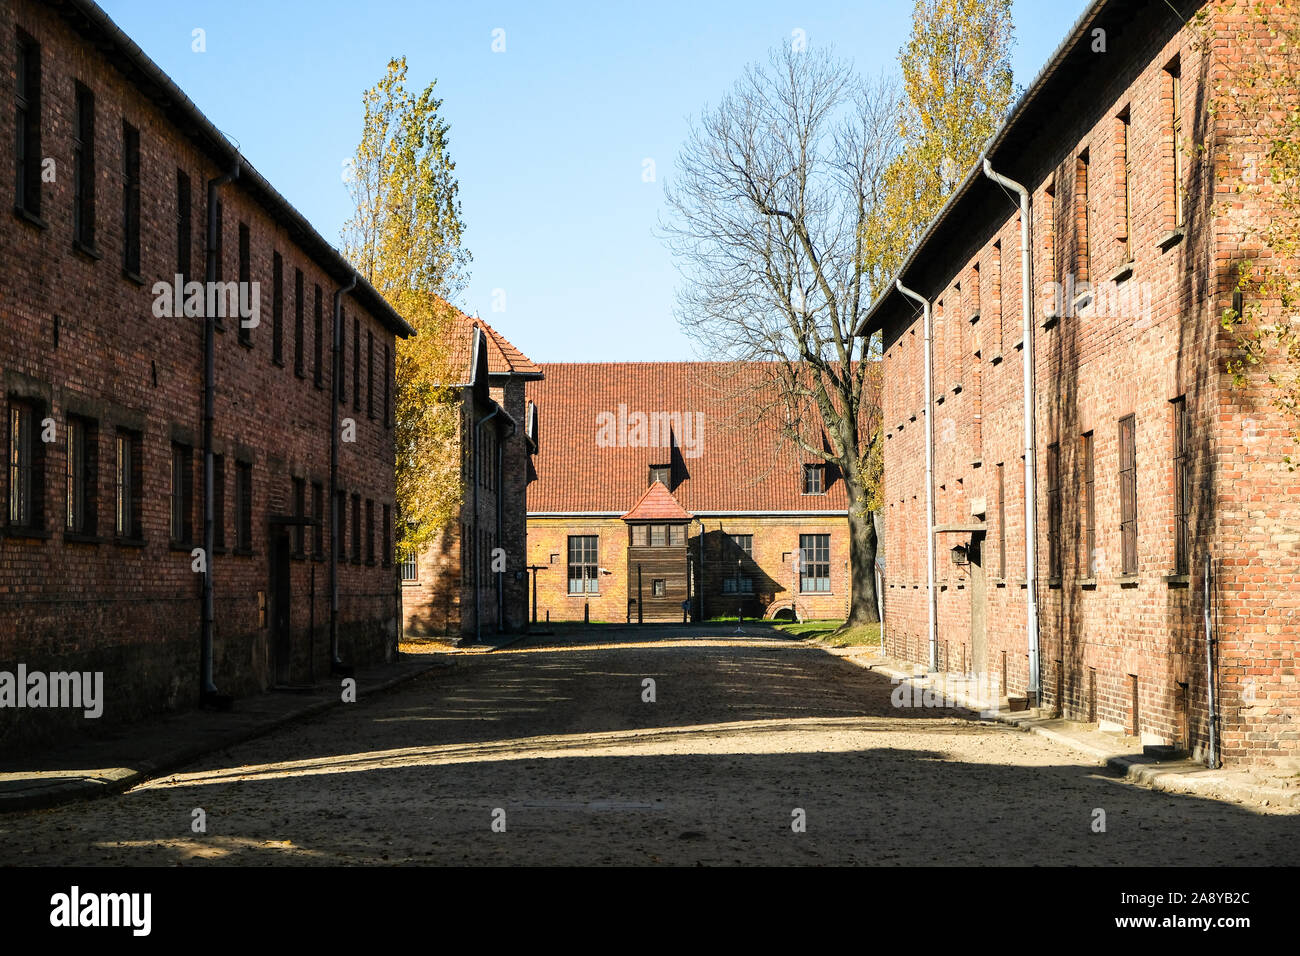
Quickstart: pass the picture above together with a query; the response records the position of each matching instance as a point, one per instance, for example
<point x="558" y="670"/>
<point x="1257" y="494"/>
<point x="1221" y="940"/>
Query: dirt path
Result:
<point x="742" y="734"/>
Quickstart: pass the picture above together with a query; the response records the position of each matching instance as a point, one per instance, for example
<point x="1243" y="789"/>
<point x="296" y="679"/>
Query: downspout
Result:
<point x="501" y="601"/>
<point x="929" y="480"/>
<point x="478" y="558"/>
<point x="1213" y="761"/>
<point x="207" y="688"/>
<point x="1034" y="690"/>
<point x="336" y="375"/>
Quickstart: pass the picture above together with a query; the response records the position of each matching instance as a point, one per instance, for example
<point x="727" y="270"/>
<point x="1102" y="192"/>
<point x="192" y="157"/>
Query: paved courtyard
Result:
<point x="554" y="742"/>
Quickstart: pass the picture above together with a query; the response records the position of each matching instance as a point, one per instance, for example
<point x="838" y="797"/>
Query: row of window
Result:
<point x="814" y="562"/>
<point x="814" y="478"/>
<point x="28" y="429"/>
<point x="1085" y="489"/>
<point x="27" y="195"/>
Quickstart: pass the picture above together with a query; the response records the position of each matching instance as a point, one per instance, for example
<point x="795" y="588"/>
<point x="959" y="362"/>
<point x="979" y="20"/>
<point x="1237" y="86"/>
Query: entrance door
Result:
<point x="978" y="605"/>
<point x="281" y="644"/>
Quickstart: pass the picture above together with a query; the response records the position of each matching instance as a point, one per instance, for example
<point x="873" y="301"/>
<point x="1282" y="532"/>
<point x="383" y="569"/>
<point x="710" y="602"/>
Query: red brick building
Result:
<point x="471" y="582"/>
<point x="1147" y="462"/>
<point x="108" y="561"/>
<point x="658" y="497"/>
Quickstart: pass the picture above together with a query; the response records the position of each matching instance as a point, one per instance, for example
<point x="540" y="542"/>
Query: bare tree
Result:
<point x="769" y="211"/>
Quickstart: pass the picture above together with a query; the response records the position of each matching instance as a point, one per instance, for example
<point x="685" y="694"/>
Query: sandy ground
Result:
<point x="745" y="736"/>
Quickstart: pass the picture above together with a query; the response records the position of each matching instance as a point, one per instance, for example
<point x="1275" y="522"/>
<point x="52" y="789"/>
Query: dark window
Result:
<point x="1054" y="511"/>
<point x="318" y="341"/>
<point x="27" y="126"/>
<point x="738" y="584"/>
<point x="128" y="484"/>
<point x="130" y="199"/>
<point x="1002" y="523"/>
<point x="1182" y="488"/>
<point x="742" y="546"/>
<point x="26" y="465"/>
<point x="370" y="531"/>
<point x="388" y="536"/>
<point x="219" y="501"/>
<point x="341" y="525"/>
<point x="582" y="564"/>
<point x="244" y="505"/>
<point x="661" y="474"/>
<point x="1089" y="506"/>
<point x="339" y="362"/>
<point x="297" y="323"/>
<point x="1174" y="69"/>
<point x="318" y="512"/>
<point x="220" y="248"/>
<point x="277" y="308"/>
<point x="814" y="562"/>
<point x="814" y="479"/>
<point x="245" y="278"/>
<point x="356" y="364"/>
<point x="184" y="227"/>
<point x="83" y="169"/>
<point x="82" y="475"/>
<point x="299" y="513"/>
<point x="1128" y="494"/>
<point x="658" y="587"/>
<point x="356" y="529"/>
<point x="410" y="569"/>
<point x="370" y="374"/>
<point x="182" y="494"/>
<point x="388" y="422"/>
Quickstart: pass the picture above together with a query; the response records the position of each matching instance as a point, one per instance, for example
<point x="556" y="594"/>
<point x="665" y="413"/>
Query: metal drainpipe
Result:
<point x="1213" y="761"/>
<point x="929" y="478"/>
<point x="478" y="558"/>
<point x="206" y="686"/>
<point x="1034" y="691"/>
<point x="501" y="603"/>
<point x="336" y="376"/>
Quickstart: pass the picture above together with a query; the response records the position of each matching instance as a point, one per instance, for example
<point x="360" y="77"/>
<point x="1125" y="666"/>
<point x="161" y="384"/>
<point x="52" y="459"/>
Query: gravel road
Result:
<point x="745" y="739"/>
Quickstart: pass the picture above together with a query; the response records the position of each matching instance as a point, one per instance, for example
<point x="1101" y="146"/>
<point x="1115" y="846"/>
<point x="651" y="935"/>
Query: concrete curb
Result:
<point x="1171" y="776"/>
<point x="119" y="779"/>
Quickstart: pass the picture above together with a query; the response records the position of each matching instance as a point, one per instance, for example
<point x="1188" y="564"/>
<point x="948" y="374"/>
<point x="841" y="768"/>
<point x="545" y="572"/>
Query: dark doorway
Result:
<point x="978" y="604"/>
<point x="281" y="641"/>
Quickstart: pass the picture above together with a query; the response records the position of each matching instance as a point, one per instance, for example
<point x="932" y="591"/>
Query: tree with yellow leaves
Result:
<point x="405" y="238"/>
<point x="957" y="86"/>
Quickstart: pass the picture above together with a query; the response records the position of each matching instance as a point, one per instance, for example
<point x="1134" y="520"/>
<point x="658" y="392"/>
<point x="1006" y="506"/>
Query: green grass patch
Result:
<point x="864" y="635"/>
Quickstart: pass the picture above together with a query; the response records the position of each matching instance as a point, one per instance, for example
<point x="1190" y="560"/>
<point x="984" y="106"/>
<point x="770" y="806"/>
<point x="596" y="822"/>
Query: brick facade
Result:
<point x="455" y="589"/>
<point x="81" y="344"/>
<point x="1121" y="635"/>
<point x="734" y="481"/>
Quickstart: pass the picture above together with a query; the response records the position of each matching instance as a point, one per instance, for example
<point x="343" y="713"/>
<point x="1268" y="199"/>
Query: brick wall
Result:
<point x="775" y="546"/>
<point x="79" y="336"/>
<point x="1105" y="631"/>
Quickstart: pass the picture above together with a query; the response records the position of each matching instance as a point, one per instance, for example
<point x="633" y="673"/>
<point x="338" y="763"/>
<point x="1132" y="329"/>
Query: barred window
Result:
<point x="1128" y="494"/>
<point x="1182" y="488"/>
<point x="182" y="494"/>
<point x="83" y="168"/>
<point x="130" y="198"/>
<point x="583" y="569"/>
<point x="27" y="141"/>
<point x="244" y="505"/>
<point x="81" y="476"/>
<point x="1089" y="505"/>
<point x="127" y="484"/>
<point x="814" y="562"/>
<point x="410" y="569"/>
<point x="26" y="465"/>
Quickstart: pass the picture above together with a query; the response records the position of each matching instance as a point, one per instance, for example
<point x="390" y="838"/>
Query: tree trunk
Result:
<point x="862" y="559"/>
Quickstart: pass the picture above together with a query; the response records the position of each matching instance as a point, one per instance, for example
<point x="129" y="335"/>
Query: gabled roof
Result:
<point x="503" y="358"/>
<point x="657" y="504"/>
<point x="1067" y="87"/>
<point x="724" y="458"/>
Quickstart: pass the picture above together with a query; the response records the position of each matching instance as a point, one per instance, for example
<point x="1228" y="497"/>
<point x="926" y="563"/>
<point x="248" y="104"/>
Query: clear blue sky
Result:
<point x="548" y="137"/>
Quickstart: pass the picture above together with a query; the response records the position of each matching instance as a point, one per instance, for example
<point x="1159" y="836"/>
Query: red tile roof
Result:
<point x="603" y="424"/>
<point x="657" y="504"/>
<point x="503" y="357"/>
